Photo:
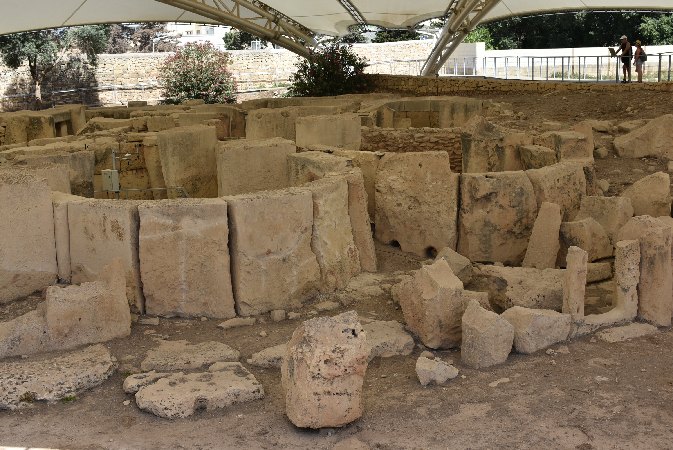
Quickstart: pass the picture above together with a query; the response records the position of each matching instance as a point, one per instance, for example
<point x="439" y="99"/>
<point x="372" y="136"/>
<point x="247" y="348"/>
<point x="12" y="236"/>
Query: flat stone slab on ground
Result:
<point x="435" y="371"/>
<point x="181" y="395"/>
<point x="55" y="378"/>
<point x="626" y="332"/>
<point x="269" y="358"/>
<point x="387" y="338"/>
<point x="181" y="355"/>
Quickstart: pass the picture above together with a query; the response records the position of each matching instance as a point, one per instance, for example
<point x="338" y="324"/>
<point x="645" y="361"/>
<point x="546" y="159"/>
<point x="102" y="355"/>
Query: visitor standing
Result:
<point x="639" y="57"/>
<point x="625" y="48"/>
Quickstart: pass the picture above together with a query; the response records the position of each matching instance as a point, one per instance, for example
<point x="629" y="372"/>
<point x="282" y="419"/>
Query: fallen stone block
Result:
<point x="272" y="264"/>
<point x="460" y="265"/>
<point x="53" y="378"/>
<point x="434" y="371"/>
<point x="340" y="130"/>
<point x="487" y="338"/>
<point x="269" y="358"/>
<point x="387" y="338"/>
<point x="181" y="355"/>
<point x="647" y="139"/>
<point x="310" y="166"/>
<point x="611" y="212"/>
<point x="650" y="196"/>
<point x="537" y="156"/>
<point x="586" y="234"/>
<point x="27" y="245"/>
<point x="563" y="184"/>
<point x="626" y="332"/>
<point x="417" y="202"/>
<point x="520" y="286"/>
<point x="497" y="214"/>
<point x="184" y="258"/>
<point x="543" y="246"/>
<point x="567" y="144"/>
<point x="536" y="329"/>
<point x="181" y="395"/>
<point x="323" y="372"/>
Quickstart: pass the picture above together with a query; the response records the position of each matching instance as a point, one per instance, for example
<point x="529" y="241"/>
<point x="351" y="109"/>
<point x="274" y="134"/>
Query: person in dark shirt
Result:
<point x="625" y="48"/>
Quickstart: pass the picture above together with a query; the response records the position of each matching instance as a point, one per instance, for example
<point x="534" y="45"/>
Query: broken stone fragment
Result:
<point x="487" y="338"/>
<point x="586" y="234"/>
<point x="611" y="212"/>
<point x="460" y="265"/>
<point x="269" y="358"/>
<point x="237" y="322"/>
<point x="387" y="338"/>
<point x="434" y="371"/>
<point x="536" y="329"/>
<point x="651" y="195"/>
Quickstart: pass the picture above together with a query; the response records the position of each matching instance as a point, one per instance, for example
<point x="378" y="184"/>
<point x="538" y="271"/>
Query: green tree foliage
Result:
<point x="140" y="38"/>
<point x="657" y="30"/>
<point x="240" y="40"/>
<point x="331" y="70"/>
<point x="385" y="35"/>
<point x="198" y="71"/>
<point x="44" y="51"/>
<point x="480" y="34"/>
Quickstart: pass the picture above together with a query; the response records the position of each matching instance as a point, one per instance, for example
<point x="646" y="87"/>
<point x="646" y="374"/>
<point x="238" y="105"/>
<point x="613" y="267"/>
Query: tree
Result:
<point x="45" y="50"/>
<point x="385" y="35"/>
<point x="240" y="40"/>
<point x="198" y="71"/>
<point x="480" y="34"/>
<point x="140" y="38"/>
<point x="657" y="30"/>
<point x="331" y="70"/>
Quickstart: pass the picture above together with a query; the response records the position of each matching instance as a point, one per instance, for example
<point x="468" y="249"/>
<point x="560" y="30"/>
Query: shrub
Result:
<point x="198" y="71"/>
<point x="331" y="70"/>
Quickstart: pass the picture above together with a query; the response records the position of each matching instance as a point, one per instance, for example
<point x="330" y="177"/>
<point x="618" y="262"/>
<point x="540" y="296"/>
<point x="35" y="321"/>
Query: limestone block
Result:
<point x="245" y="166"/>
<point x="497" y="212"/>
<point x="27" y="244"/>
<point x="460" y="265"/>
<point x="489" y="148"/>
<point x="651" y="195"/>
<point x="368" y="163"/>
<point x="626" y="332"/>
<point x="586" y="234"/>
<point x="184" y="258"/>
<point x="323" y="372"/>
<point x="359" y="218"/>
<point x="272" y="264"/>
<point x="575" y="283"/>
<point x="280" y="122"/>
<point x="520" y="286"/>
<point x="181" y="395"/>
<point x="568" y="144"/>
<point x="536" y="329"/>
<point x="487" y="338"/>
<point x="269" y="358"/>
<point x="417" y="202"/>
<point x="434" y="371"/>
<point x="60" y="203"/>
<point x="56" y="174"/>
<point x="181" y="355"/>
<point x="433" y="302"/>
<point x="627" y="277"/>
<point x="651" y="139"/>
<point x="387" y="338"/>
<point x="24" y="335"/>
<point x="611" y="212"/>
<point x="599" y="271"/>
<point x="655" y="284"/>
<point x="563" y="184"/>
<point x="543" y="246"/>
<point x="188" y="159"/>
<point x="332" y="239"/>
<point x="341" y="130"/>
<point x="305" y="167"/>
<point x="53" y="378"/>
<point x="101" y="231"/>
<point x="537" y="156"/>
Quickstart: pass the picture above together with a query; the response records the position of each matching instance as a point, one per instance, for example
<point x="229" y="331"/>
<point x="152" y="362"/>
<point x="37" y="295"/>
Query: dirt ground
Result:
<point x="593" y="396"/>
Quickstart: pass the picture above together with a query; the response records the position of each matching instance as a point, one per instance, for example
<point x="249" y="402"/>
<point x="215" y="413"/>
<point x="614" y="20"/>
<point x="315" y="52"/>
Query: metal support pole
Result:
<point x="659" y="73"/>
<point x="563" y="74"/>
<point x="598" y="68"/>
<point x="669" y="67"/>
<point x="532" y="71"/>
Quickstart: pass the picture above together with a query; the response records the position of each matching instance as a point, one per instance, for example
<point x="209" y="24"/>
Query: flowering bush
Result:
<point x="331" y="70"/>
<point x="198" y="71"/>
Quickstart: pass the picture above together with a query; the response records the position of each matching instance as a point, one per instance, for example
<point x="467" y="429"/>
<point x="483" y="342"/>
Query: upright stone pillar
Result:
<point x="655" y="289"/>
<point x="627" y="276"/>
<point x="575" y="283"/>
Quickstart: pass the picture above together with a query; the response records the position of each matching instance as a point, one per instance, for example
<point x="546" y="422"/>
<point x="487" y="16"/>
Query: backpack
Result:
<point x="643" y="55"/>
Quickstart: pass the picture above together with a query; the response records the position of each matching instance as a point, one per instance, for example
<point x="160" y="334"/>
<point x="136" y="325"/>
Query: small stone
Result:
<point x="498" y="382"/>
<point x="127" y="402"/>
<point x="263" y="333"/>
<point x="149" y="321"/>
<point x="278" y="315"/>
<point x="563" y="350"/>
<point x="269" y="358"/>
<point x="204" y="319"/>
<point x="600" y="379"/>
<point x="435" y="371"/>
<point x="601" y="152"/>
<point x="237" y="322"/>
<point x="670" y="166"/>
<point x="293" y="316"/>
<point x="604" y="185"/>
<point x="427" y="354"/>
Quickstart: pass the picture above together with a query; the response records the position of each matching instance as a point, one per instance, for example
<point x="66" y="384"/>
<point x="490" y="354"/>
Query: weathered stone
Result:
<point x="611" y="212"/>
<point x="272" y="264"/>
<point x="543" y="246"/>
<point x="574" y="287"/>
<point x="487" y="147"/>
<point x="269" y="358"/>
<point x="567" y="144"/>
<point x="133" y="383"/>
<point x="563" y="184"/>
<point x="101" y="231"/>
<point x="278" y="315"/>
<point x="237" y="322"/>
<point x="265" y="123"/>
<point x="460" y="265"/>
<point x="368" y="163"/>
<point x="520" y="286"/>
<point x="651" y="139"/>
<point x="181" y="395"/>
<point x="184" y="258"/>
<point x="332" y="239"/>
<point x="417" y="202"/>
<point x="49" y="379"/>
<point x="627" y="277"/>
<point x="434" y="371"/>
<point x="496" y="216"/>
<point x="305" y="167"/>
<point x="27" y="245"/>
<point x="245" y="166"/>
<point x="62" y="232"/>
<point x="181" y="355"/>
<point x="651" y="195"/>
<point x="487" y="338"/>
<point x="586" y="234"/>
<point x="536" y="329"/>
<point x="536" y="156"/>
<point x="598" y="272"/>
<point x="626" y="332"/>
<point x="386" y="339"/>
<point x="340" y="130"/>
<point x="323" y="372"/>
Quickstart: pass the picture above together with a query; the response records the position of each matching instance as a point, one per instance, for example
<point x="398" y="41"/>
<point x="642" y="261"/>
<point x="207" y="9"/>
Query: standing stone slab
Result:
<point x="563" y="184"/>
<point x="332" y="240"/>
<point x="305" y="167"/>
<point x="627" y="277"/>
<point x="544" y="246"/>
<point x="368" y="163"/>
<point x="487" y="338"/>
<point x="273" y="266"/>
<point x="323" y="372"/>
<point x="651" y="195"/>
<point x="62" y="232"/>
<point x="417" y="202"/>
<point x="536" y="329"/>
<point x="101" y="231"/>
<point x="27" y="245"/>
<point x="497" y="214"/>
<point x="184" y="258"/>
<point x="574" y="287"/>
<point x="340" y="130"/>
